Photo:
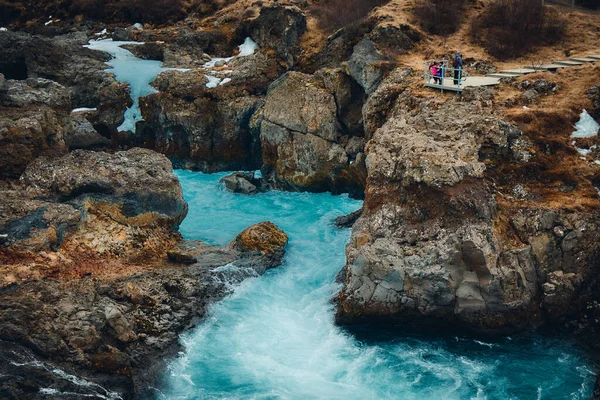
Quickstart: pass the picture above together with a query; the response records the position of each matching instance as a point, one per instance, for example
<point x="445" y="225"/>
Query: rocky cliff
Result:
<point x="447" y="238"/>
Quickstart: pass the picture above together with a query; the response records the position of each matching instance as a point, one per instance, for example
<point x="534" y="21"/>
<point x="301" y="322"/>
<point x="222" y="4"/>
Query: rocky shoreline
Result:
<point x="96" y="278"/>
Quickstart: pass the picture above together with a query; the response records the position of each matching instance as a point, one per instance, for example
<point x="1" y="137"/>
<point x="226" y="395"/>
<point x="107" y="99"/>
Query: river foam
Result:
<point x="275" y="338"/>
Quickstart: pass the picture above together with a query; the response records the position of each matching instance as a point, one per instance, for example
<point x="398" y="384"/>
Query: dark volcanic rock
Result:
<point x="346" y="221"/>
<point x="278" y="27"/>
<point x="208" y="129"/>
<point x="245" y="183"/>
<point x="380" y="104"/>
<point x="34" y="121"/>
<point x="120" y="333"/>
<point x="84" y="135"/>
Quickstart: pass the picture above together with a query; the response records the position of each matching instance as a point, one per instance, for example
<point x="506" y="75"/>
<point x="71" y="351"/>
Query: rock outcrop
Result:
<point x="207" y="129"/>
<point x="34" y="120"/>
<point x="304" y="144"/>
<point x="63" y="59"/>
<point x="438" y="244"/>
<point x="279" y="28"/>
<point x="97" y="281"/>
<point x="118" y="333"/>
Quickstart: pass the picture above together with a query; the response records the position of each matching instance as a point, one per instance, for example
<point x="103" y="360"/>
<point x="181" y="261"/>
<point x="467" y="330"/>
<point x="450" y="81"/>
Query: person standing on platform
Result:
<point x="457" y="64"/>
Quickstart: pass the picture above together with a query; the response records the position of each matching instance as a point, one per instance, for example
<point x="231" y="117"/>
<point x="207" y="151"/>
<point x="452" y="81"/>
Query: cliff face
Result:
<point x="440" y="240"/>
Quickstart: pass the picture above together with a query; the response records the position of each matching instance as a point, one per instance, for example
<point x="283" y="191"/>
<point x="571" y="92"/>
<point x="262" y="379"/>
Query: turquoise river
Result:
<point x="275" y="337"/>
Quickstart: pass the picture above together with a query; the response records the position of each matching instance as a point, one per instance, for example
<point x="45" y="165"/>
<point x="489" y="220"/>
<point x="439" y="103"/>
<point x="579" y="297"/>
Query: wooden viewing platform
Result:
<point x="447" y="81"/>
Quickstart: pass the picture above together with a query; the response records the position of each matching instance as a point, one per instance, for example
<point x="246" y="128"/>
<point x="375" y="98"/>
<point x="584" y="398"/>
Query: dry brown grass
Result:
<point x="509" y="28"/>
<point x="440" y="17"/>
<point x="335" y="14"/>
<point x="557" y="176"/>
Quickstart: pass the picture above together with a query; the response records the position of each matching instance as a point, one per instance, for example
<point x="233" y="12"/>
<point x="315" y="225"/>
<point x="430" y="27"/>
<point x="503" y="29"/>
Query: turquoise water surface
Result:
<point x="275" y="338"/>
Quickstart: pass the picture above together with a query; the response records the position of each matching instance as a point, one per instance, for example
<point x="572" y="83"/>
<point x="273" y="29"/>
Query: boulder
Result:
<point x="394" y="39"/>
<point x="366" y="65"/>
<point x="35" y="91"/>
<point x="244" y="182"/>
<point x="140" y="181"/>
<point x="482" y="93"/>
<point x="346" y="221"/>
<point x="264" y="240"/>
<point x="301" y="137"/>
<point x="298" y="103"/>
<point x="84" y="136"/>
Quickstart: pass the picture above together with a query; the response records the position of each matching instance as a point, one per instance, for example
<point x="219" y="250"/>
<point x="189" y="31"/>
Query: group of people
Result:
<point x="438" y="69"/>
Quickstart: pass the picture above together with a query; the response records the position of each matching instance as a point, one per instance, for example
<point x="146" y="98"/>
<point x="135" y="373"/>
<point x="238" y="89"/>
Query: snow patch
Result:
<point x="224" y="81"/>
<point x="213" y="81"/>
<point x="248" y="47"/>
<point x="104" y="32"/>
<point x="138" y="26"/>
<point x="82" y="109"/>
<point x="3" y="29"/>
<point x="587" y="127"/>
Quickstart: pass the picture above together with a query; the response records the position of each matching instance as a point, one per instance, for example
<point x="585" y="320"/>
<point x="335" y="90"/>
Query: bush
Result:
<point x="440" y="17"/>
<point x="335" y="14"/>
<point x="117" y="11"/>
<point x="510" y="28"/>
<point x="8" y="12"/>
<point x="153" y="11"/>
<point x="593" y="4"/>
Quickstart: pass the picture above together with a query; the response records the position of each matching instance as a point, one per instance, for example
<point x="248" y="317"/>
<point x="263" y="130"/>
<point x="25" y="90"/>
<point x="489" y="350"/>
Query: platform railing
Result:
<point x="447" y="74"/>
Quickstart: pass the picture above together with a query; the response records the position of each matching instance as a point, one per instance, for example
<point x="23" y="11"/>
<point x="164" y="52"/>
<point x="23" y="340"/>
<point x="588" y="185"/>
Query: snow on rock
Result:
<point x="104" y="32"/>
<point x="213" y="81"/>
<point x="217" y="60"/>
<point x="138" y="26"/>
<point x="83" y="109"/>
<point x="224" y="81"/>
<point x="3" y="29"/>
<point x="587" y="127"/>
<point x="248" y="47"/>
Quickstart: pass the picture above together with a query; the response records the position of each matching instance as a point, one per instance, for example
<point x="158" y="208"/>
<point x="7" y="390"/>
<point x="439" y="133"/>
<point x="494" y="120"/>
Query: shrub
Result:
<point x="335" y="14"/>
<point x="440" y="17"/>
<point x="593" y="4"/>
<point x="8" y="12"/>
<point x="153" y="11"/>
<point x="510" y="28"/>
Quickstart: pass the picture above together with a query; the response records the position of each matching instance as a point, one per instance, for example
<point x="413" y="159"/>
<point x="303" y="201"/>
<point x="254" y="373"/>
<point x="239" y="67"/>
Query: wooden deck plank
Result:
<point x="568" y="63"/>
<point x="583" y="59"/>
<point x="522" y="71"/>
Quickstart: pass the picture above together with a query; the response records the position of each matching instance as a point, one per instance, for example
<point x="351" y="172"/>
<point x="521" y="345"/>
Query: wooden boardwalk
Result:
<point x="494" y="79"/>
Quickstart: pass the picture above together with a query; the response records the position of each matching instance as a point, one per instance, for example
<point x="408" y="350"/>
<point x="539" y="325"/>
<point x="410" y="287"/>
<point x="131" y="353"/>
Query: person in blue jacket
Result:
<point x="457" y="64"/>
